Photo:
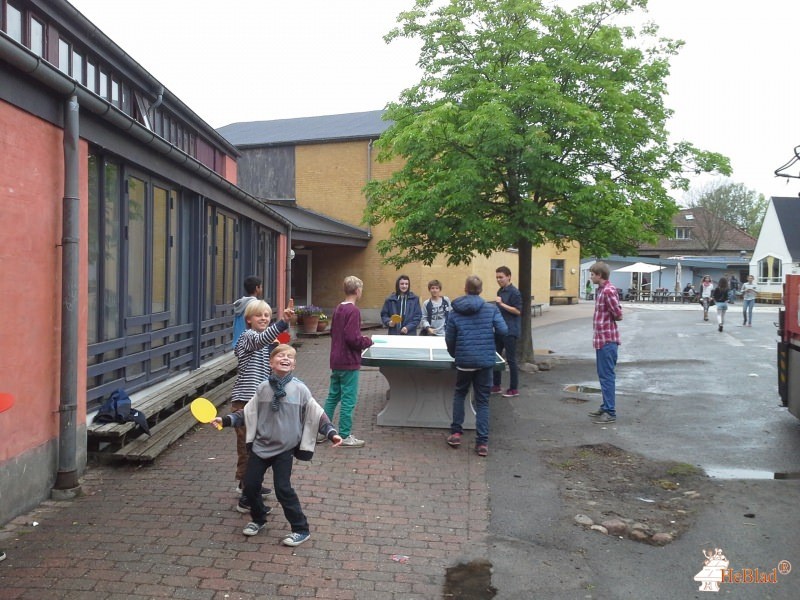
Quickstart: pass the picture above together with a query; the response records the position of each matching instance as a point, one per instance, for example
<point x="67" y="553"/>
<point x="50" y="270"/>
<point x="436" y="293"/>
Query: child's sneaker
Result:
<point x="244" y="507"/>
<point x="265" y="491"/>
<point x="321" y="439"/>
<point x="352" y="442"/>
<point x="454" y="440"/>
<point x="295" y="539"/>
<point x="253" y="528"/>
<point x="496" y="389"/>
<point x="511" y="393"/>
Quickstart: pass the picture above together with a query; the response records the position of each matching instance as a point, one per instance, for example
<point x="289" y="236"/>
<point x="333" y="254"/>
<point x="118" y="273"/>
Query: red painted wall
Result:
<point x="31" y="195"/>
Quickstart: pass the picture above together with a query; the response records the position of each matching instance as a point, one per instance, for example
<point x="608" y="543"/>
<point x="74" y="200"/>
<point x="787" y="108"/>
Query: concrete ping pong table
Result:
<point x="421" y="377"/>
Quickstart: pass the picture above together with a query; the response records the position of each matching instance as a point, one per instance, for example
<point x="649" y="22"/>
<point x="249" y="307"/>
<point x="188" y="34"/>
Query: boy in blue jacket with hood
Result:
<point x="469" y="336"/>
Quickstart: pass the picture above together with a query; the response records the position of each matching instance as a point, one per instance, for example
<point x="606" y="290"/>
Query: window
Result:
<point x="556" y="274"/>
<point x="770" y="270"/>
<point x="103" y="87"/>
<point x="64" y="54"/>
<point x="91" y="76"/>
<point x="14" y="23"/>
<point x="37" y="37"/>
<point x="77" y="66"/>
<point x="683" y="233"/>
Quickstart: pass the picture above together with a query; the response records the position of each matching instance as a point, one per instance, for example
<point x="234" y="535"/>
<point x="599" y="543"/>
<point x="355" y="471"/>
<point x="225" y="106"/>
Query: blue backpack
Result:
<point x="118" y="409"/>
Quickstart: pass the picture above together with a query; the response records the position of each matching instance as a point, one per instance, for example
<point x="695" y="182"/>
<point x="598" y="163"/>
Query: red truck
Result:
<point x="789" y="346"/>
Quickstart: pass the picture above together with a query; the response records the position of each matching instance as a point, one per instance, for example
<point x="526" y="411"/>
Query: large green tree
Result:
<point x="531" y="124"/>
<point x="731" y="202"/>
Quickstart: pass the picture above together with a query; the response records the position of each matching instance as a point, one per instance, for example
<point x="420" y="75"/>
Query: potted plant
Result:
<point x="310" y="316"/>
<point x="323" y="323"/>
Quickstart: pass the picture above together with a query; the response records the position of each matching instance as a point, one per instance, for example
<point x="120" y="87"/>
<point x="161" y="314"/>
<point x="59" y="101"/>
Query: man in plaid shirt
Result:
<point x="607" y="311"/>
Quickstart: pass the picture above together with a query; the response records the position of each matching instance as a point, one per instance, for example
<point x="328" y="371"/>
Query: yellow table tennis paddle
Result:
<point x="204" y="411"/>
<point x="396" y="319"/>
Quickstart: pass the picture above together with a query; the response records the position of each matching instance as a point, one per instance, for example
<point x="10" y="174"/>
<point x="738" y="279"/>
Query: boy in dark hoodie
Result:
<point x="254" y="290"/>
<point x="469" y="335"/>
<point x="403" y="304"/>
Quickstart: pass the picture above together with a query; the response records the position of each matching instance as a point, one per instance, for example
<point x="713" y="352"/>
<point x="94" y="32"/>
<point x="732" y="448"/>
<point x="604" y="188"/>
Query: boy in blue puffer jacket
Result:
<point x="469" y="336"/>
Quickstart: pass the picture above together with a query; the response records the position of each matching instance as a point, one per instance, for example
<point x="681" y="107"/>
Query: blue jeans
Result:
<point x="606" y="365"/>
<point x="747" y="310"/>
<point x="343" y="389"/>
<point x="282" y="481"/>
<point x="481" y="381"/>
<point x="507" y="343"/>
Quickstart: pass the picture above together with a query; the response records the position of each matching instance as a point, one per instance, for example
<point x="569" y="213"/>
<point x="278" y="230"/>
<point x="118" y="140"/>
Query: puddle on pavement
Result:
<point x="580" y="393"/>
<point x="730" y="473"/>
<point x="469" y="581"/>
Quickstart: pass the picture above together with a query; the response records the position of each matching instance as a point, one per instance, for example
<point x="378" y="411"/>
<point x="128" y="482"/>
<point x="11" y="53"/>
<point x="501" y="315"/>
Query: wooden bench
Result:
<point x="566" y="299"/>
<point x="769" y="298"/>
<point x="146" y="448"/>
<point x="161" y="402"/>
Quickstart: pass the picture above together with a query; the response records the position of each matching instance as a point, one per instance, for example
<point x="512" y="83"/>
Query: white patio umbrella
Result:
<point x="639" y="267"/>
<point x="678" y="277"/>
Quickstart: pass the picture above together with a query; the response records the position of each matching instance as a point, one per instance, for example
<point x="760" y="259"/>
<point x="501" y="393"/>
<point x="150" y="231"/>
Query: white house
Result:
<point x="777" y="250"/>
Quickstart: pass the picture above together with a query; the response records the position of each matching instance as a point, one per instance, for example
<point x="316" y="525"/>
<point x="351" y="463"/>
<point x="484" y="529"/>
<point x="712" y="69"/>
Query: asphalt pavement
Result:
<point x="686" y="393"/>
<point x="389" y="520"/>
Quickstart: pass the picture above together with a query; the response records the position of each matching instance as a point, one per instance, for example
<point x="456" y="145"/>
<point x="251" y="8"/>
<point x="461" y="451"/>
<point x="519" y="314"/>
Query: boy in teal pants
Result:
<point x="346" y="346"/>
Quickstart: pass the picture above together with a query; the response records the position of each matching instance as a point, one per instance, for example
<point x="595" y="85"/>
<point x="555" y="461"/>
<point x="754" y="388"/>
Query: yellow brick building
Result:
<point x="313" y="171"/>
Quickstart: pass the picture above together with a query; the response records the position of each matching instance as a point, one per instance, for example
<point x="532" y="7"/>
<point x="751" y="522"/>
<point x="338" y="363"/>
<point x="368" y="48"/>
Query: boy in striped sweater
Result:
<point x="252" y="352"/>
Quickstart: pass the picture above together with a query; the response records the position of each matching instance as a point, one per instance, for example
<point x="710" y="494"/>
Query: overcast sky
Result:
<point x="734" y="86"/>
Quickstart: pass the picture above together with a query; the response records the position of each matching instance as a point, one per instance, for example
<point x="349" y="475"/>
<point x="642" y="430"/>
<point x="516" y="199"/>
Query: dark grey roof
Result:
<point x="350" y="126"/>
<point x="311" y="227"/>
<point x="788" y="212"/>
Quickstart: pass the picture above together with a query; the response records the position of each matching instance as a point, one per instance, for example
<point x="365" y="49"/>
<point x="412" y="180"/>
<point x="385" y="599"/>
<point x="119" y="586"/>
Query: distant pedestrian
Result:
<point x="749" y="293"/>
<point x="470" y="335"/>
<point x="509" y="301"/>
<point x="254" y="290"/>
<point x="720" y="296"/>
<point x="345" y="362"/>
<point x="282" y="420"/>
<point x="606" y="340"/>
<point x="435" y="310"/>
<point x="706" y="288"/>
<point x="401" y="312"/>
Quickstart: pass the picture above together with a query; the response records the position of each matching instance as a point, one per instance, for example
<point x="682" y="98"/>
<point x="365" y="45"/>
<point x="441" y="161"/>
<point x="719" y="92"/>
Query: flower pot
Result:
<point x="310" y="323"/>
<point x="322" y="325"/>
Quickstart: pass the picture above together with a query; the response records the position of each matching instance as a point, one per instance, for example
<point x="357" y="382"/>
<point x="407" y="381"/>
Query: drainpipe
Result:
<point x="288" y="265"/>
<point x="369" y="175"/>
<point x="67" y="476"/>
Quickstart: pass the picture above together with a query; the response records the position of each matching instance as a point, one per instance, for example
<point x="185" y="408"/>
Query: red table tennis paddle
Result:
<point x="284" y="337"/>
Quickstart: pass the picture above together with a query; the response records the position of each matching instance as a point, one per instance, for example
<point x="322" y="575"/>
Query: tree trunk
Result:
<point x="525" y="275"/>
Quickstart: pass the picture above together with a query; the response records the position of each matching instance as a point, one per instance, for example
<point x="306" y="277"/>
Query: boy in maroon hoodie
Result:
<point x="346" y="346"/>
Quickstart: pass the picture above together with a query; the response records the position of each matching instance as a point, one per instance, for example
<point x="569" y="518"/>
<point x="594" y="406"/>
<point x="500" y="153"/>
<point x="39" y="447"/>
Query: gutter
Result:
<point x="47" y="74"/>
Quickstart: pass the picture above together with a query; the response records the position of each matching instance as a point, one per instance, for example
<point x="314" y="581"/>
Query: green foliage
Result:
<point x="732" y="202"/>
<point x="531" y="124"/>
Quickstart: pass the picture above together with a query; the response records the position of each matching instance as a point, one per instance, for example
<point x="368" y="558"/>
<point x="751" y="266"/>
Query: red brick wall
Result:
<point x="31" y="192"/>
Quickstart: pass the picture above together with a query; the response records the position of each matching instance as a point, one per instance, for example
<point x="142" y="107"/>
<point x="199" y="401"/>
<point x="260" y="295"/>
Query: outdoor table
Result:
<point x="421" y="376"/>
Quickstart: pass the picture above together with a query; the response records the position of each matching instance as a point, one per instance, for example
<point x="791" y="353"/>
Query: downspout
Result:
<point x="369" y="175"/>
<point x="288" y="265"/>
<point x="67" y="476"/>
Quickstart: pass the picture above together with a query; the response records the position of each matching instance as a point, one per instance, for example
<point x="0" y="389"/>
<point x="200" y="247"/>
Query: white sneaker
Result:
<point x="352" y="442"/>
<point x="321" y="438"/>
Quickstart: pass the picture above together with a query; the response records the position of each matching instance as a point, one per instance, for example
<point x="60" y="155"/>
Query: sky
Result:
<point x="733" y="87"/>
